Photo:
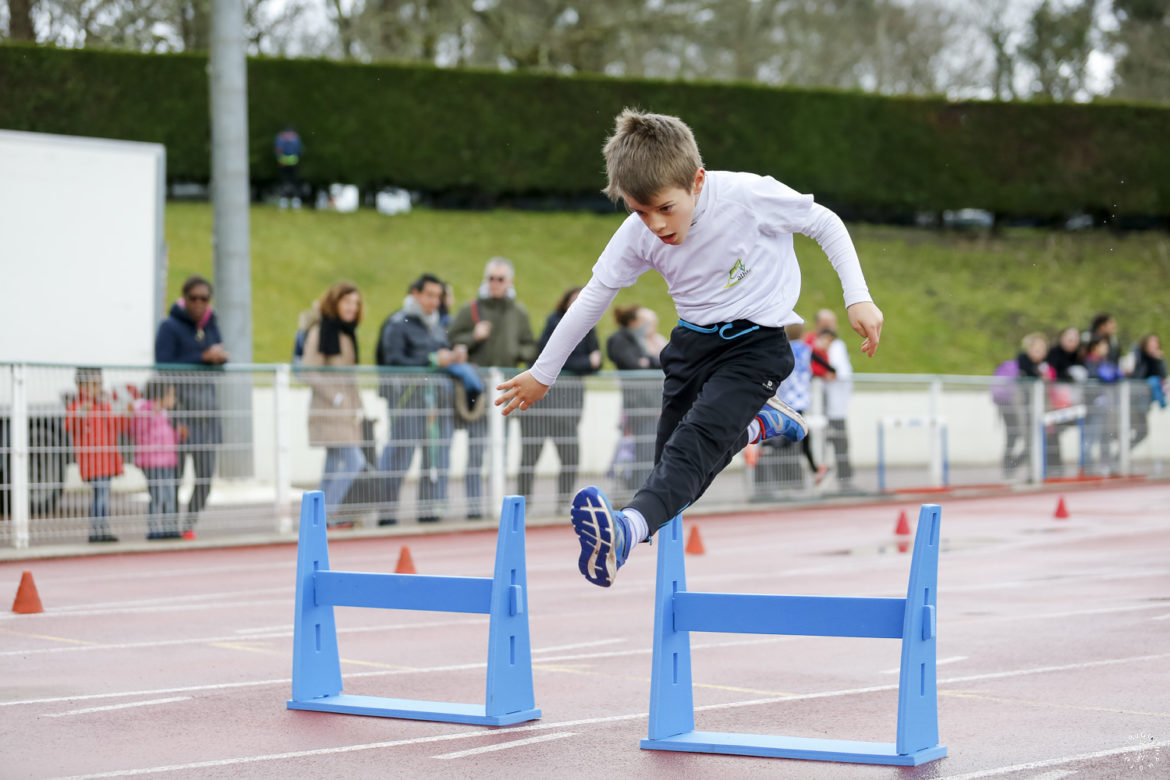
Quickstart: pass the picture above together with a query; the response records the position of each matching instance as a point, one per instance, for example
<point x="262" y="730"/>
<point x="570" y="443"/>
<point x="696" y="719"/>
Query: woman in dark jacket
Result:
<point x="634" y="348"/>
<point x="559" y="414"/>
<point x="1150" y="366"/>
<point x="190" y="337"/>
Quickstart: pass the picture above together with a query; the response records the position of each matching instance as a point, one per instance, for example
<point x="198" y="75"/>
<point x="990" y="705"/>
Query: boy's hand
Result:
<point x="520" y="392"/>
<point x="866" y="319"/>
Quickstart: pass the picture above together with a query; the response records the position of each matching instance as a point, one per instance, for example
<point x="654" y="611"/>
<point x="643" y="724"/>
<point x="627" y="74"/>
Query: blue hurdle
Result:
<point x="316" y="677"/>
<point x="912" y="619"/>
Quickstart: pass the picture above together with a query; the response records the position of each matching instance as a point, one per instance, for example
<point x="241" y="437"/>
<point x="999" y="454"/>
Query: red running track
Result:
<point x="1054" y="653"/>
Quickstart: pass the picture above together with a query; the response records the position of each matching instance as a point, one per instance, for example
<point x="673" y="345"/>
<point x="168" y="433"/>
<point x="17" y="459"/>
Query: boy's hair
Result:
<point x="795" y="331"/>
<point x="647" y="154"/>
<point x="1098" y="321"/>
<point x="156" y="389"/>
<point x="327" y="305"/>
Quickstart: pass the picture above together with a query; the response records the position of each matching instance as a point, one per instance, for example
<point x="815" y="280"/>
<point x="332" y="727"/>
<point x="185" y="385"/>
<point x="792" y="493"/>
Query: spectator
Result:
<point x="94" y="427"/>
<point x="559" y="415"/>
<point x="1149" y="365"/>
<point x="1104" y="326"/>
<point x="156" y="452"/>
<point x="1016" y="405"/>
<point x="634" y="347"/>
<point x="496" y="331"/>
<point x="288" y="160"/>
<point x="421" y="407"/>
<point x="1064" y="357"/>
<point x="1100" y="401"/>
<point x="335" y="411"/>
<point x="1068" y="367"/>
<point x="190" y="336"/>
<point x="838" y="391"/>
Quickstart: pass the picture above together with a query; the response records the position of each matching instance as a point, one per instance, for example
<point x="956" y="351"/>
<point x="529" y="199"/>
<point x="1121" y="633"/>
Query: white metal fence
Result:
<point x="85" y="454"/>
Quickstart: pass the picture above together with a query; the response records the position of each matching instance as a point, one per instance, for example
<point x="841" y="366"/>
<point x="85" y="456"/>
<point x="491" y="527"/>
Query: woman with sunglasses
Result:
<point x="190" y="337"/>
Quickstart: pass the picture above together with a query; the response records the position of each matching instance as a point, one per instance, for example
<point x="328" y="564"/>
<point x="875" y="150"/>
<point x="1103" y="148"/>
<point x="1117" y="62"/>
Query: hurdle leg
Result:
<point x="316" y="664"/>
<point x="672" y="708"/>
<point x="917" y="682"/>
<point x="510" y="695"/>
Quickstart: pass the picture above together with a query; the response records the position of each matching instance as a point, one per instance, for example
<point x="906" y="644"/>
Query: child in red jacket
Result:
<point x="94" y="427"/>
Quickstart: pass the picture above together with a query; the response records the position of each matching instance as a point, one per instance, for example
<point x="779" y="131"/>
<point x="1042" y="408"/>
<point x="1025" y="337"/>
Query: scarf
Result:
<point x="329" y="342"/>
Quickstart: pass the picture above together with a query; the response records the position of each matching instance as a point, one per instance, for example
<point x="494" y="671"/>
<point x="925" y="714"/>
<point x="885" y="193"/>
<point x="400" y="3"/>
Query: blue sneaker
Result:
<point x="779" y="419"/>
<point x="604" y="535"/>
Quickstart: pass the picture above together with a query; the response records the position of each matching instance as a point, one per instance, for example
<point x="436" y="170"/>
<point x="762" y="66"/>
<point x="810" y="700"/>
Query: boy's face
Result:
<point x="670" y="212"/>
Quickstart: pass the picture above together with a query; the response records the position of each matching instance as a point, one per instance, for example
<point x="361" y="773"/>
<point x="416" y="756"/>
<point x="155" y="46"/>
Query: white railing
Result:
<point x="248" y="452"/>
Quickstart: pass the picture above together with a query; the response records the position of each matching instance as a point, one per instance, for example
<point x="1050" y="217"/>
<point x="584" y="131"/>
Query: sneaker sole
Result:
<point x="593" y="521"/>
<point x="790" y="413"/>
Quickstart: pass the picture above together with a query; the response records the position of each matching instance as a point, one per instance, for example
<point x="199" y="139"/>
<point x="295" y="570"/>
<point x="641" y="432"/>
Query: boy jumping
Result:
<point x="723" y="243"/>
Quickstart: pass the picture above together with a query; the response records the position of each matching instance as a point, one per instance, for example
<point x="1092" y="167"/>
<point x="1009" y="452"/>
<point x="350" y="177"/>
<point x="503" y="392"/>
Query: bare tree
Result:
<point x="20" y="20"/>
<point x="1057" y="47"/>
<point x="1143" y="67"/>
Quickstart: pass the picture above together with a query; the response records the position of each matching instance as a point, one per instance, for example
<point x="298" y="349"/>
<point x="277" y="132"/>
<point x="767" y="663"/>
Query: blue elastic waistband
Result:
<point x="722" y="329"/>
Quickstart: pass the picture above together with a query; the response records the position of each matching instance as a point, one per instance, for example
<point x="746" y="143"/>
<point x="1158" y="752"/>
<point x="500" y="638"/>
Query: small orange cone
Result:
<point x="28" y="601"/>
<point x="405" y="562"/>
<point x="695" y="542"/>
<point x="903" y="547"/>
<point x="903" y="528"/>
<point x="1061" y="510"/>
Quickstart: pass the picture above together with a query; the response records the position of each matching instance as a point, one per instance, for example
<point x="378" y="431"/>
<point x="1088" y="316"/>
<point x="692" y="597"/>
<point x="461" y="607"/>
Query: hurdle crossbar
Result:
<point x="316" y="678"/>
<point x="912" y="619"/>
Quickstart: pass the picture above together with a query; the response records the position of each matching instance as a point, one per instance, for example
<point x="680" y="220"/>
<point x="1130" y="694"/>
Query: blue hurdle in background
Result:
<point x="912" y="619"/>
<point x="316" y="677"/>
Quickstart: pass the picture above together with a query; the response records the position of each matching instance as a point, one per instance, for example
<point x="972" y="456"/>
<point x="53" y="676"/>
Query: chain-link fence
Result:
<point x="132" y="453"/>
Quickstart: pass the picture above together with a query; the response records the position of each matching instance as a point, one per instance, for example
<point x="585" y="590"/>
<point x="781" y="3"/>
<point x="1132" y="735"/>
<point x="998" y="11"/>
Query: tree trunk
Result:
<point x="20" y="23"/>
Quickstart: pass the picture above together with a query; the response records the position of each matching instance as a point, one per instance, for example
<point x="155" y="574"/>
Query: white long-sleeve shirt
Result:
<point x="737" y="262"/>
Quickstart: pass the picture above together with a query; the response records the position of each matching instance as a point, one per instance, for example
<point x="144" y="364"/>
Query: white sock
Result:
<point x="754" y="432"/>
<point x="638" y="528"/>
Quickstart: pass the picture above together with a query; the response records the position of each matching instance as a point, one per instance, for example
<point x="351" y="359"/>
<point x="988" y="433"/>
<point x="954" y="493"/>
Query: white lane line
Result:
<point x="1003" y="770"/>
<point x="939" y="662"/>
<point x="468" y="621"/>
<point x="465" y="667"/>
<point x="505" y="745"/>
<point x="117" y="707"/>
<point x="515" y="730"/>
<point x="577" y="646"/>
<point x="1045" y="669"/>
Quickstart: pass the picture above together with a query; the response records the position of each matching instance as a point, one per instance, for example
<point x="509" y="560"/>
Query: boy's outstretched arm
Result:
<point x="866" y="319"/>
<point x="520" y="392"/>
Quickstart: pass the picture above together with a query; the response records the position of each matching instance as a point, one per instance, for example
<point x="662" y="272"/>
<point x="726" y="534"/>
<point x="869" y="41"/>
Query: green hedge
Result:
<point x="491" y="135"/>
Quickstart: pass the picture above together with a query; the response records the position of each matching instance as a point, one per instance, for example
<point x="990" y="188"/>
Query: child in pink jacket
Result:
<point x="157" y="453"/>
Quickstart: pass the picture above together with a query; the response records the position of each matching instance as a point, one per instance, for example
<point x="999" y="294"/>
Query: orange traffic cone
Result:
<point x="1061" y="510"/>
<point x="903" y="528"/>
<point x="28" y="601"/>
<point x="405" y="562"/>
<point x="695" y="542"/>
<point x="903" y="546"/>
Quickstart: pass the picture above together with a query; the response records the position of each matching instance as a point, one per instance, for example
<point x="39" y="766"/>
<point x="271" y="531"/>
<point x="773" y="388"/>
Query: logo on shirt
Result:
<point x="737" y="273"/>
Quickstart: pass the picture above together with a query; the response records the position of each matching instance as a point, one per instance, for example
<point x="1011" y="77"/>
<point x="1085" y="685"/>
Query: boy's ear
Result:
<point x="700" y="178"/>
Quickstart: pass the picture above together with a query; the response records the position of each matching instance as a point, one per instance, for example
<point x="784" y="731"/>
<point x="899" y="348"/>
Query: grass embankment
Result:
<point x="954" y="304"/>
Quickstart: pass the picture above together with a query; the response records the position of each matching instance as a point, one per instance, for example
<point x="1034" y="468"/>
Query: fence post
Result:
<point x="1036" y="416"/>
<point x="1123" y="421"/>
<point x="936" y="449"/>
<point x="497" y="441"/>
<point x="18" y="441"/>
<point x="282" y="465"/>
